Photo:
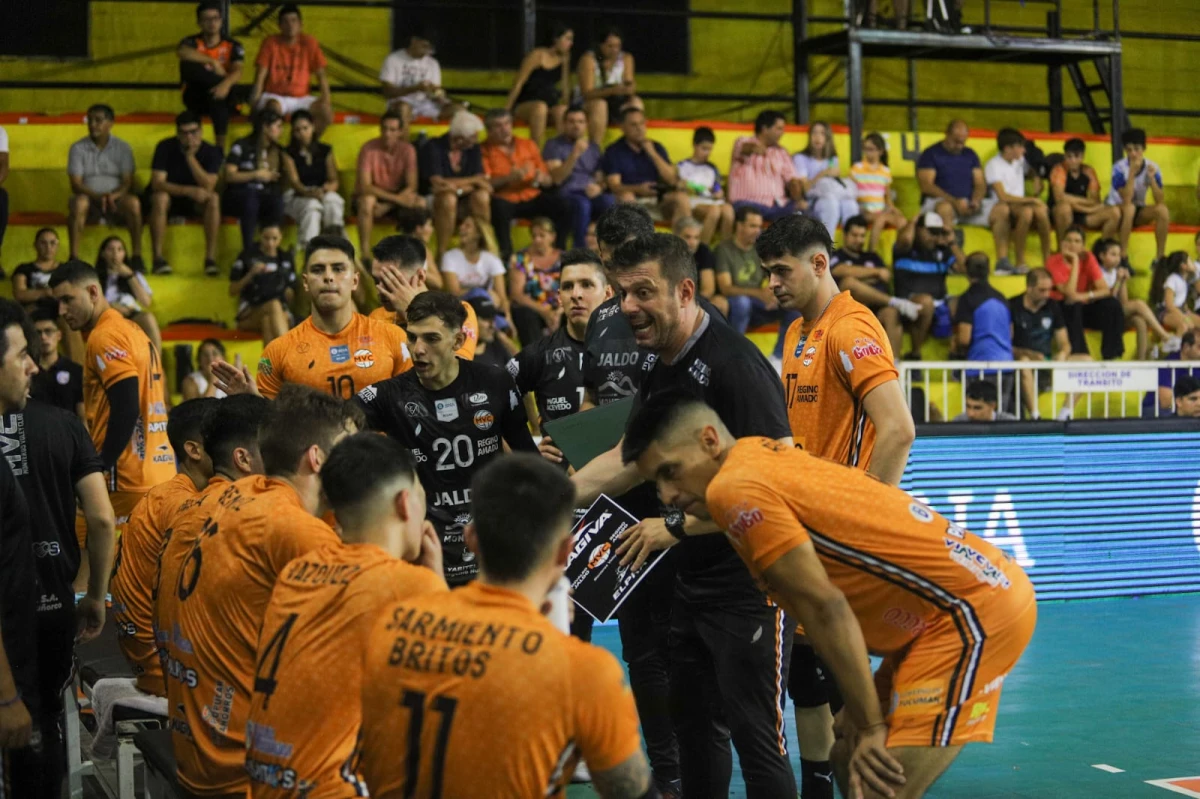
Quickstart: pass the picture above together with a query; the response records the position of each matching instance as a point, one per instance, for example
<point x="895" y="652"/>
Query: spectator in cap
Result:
<point x="924" y="253"/>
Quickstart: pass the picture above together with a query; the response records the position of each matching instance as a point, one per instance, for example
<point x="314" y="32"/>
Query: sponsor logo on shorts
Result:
<point x="340" y="353"/>
<point x="915" y="699"/>
<point x="484" y="420"/>
<point x="364" y="359"/>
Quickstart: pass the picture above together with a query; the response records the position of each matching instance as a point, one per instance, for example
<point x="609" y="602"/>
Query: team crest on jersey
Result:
<point x="810" y="351"/>
<point x="446" y="409"/>
<point x="479" y="398"/>
<point x="415" y="409"/>
<point x="816" y="336"/>
<point x="808" y="362"/>
<point x="1046" y="323"/>
<point x="63" y="378"/>
<point x="340" y="353"/>
<point x="920" y="512"/>
<point x="264" y="365"/>
<point x="484" y="420"/>
<point x="364" y="359"/>
<point x="303" y="347"/>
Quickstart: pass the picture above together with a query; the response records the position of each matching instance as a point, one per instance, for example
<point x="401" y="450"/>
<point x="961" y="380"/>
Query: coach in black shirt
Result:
<point x="59" y="381"/>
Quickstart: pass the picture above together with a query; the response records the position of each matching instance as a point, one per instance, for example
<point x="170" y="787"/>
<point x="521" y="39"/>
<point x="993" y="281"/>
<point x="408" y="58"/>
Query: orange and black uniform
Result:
<point x="950" y="612"/>
<point x="300" y="733"/>
<point x="361" y="354"/>
<point x="470" y="329"/>
<point x="475" y="693"/>
<point x="199" y="79"/>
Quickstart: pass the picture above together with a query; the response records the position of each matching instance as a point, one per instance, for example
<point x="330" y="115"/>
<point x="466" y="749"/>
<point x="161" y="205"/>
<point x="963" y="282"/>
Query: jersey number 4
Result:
<point x="265" y="684"/>
<point x="445" y="706"/>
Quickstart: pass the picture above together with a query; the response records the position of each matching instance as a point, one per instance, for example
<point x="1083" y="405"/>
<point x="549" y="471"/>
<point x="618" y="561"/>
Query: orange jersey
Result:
<point x="300" y="733"/>
<point x="470" y="329"/>
<point x="214" y="612"/>
<point x="359" y="355"/>
<point x="135" y="578"/>
<point x="829" y="366"/>
<point x="117" y="350"/>
<point x="501" y="703"/>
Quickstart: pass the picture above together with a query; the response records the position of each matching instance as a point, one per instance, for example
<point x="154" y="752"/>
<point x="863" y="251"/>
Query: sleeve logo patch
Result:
<point x="865" y="348"/>
<point x="745" y="519"/>
<point x="265" y="366"/>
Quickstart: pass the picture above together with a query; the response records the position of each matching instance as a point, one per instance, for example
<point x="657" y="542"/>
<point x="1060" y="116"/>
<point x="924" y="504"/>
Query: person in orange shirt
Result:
<point x="518" y="174"/>
<point x="213" y="617"/>
<point x="475" y="692"/>
<point x="286" y="64"/>
<point x="864" y="568"/>
<point x="300" y="734"/>
<point x="387" y="176"/>
<point x="139" y="550"/>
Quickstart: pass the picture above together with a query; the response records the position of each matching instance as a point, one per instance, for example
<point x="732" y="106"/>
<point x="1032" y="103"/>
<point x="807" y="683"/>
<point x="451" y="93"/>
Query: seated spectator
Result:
<point x="101" y="169"/>
<point x="982" y="321"/>
<point x="452" y="170"/>
<point x="412" y="82"/>
<point x="574" y="164"/>
<point x="264" y="281"/>
<point x="762" y="175"/>
<point x="533" y="284"/>
<point x="542" y="90"/>
<point x="742" y="281"/>
<point x="1005" y="174"/>
<point x="1088" y="300"/>
<point x="418" y="222"/>
<point x="982" y="403"/>
<point x="59" y="380"/>
<point x="472" y="269"/>
<point x="1133" y="177"/>
<point x="1137" y="313"/>
<point x="872" y="180"/>
<point x="253" y="177"/>
<point x="517" y="173"/>
<point x="311" y="171"/>
<point x="495" y="347"/>
<point x="200" y="383"/>
<point x="1169" y="377"/>
<point x="1039" y="334"/>
<point x="924" y="253"/>
<point x="286" y="64"/>
<point x="126" y="289"/>
<point x="952" y="185"/>
<point x="210" y="66"/>
<point x="183" y="183"/>
<point x="607" y="84"/>
<point x="31" y="281"/>
<point x="690" y="230"/>
<point x="591" y="242"/>
<point x="831" y="198"/>
<point x="701" y="180"/>
<point x="1075" y="195"/>
<point x="1170" y="290"/>
<point x="863" y="274"/>
<point x="387" y="176"/>
<point x="639" y="170"/>
<point x="1187" y="398"/>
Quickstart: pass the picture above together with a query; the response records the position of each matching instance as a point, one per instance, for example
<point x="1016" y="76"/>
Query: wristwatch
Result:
<point x="673" y="519"/>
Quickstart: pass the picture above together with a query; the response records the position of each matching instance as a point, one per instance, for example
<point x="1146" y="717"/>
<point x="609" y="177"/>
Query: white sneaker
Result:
<point x="1065" y="414"/>
<point x="581" y="774"/>
<point x="907" y="308"/>
<point x="1172" y="344"/>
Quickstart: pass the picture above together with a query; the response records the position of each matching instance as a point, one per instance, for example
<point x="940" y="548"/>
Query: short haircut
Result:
<point x="1133" y="136"/>
<point x="543" y="222"/>
<point x="339" y="243"/>
<point x="233" y="424"/>
<point x="445" y="306"/>
<point x="978" y="266"/>
<point x="657" y="416"/>
<point x="185" y="422"/>
<point x="495" y="114"/>
<point x="686" y="223"/>
<point x="407" y="252"/>
<point x="583" y="256"/>
<point x="703" y="135"/>
<point x="392" y="113"/>
<point x="289" y="8"/>
<point x="1103" y="245"/>
<point x="1185" y="385"/>
<point x="766" y="119"/>
<point x="1007" y="137"/>
<point x="1188" y="339"/>
<point x="629" y="111"/>
<point x="575" y="109"/>
<point x="1075" y="229"/>
<point x="983" y="391"/>
<point x="411" y="219"/>
<point x="858" y="220"/>
<point x="11" y="313"/>
<point x="1034" y="276"/>
<point x="187" y="118"/>
<point x="44" y="310"/>
<point x="302" y="114"/>
<point x="300" y="418"/>
<point x="744" y="212"/>
<point x="519" y="505"/>
<point x="358" y="468"/>
<point x="75" y="272"/>
<point x="466" y="124"/>
<point x="209" y="5"/>
<point x="793" y="235"/>
<point x="623" y="222"/>
<point x="675" y="262"/>
<point x="1075" y="146"/>
<point x="102" y="108"/>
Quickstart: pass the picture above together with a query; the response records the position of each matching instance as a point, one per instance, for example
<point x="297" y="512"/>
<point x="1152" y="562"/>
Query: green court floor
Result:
<point x="1114" y="683"/>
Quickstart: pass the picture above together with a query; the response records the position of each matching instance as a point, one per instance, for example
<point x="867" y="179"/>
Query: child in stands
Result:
<point x="699" y="177"/>
<point x="264" y="281"/>
<point x="1169" y="290"/>
<point x="1137" y="313"/>
<point x="873" y="179"/>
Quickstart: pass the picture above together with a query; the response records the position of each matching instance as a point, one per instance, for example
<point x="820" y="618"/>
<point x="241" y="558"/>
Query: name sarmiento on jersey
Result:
<point x="437" y="644"/>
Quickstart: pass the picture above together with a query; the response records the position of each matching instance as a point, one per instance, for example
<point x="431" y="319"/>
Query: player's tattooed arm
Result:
<point x="630" y="780"/>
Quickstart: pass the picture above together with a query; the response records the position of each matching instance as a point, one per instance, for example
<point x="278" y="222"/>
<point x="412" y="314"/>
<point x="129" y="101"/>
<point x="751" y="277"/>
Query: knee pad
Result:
<point x="809" y="683"/>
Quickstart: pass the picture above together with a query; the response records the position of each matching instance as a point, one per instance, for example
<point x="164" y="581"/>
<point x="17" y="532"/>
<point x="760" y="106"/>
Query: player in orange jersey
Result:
<point x="475" y="693"/>
<point x="253" y="530"/>
<point x="865" y="568"/>
<point x="139" y="549"/>
<point x="301" y="734"/>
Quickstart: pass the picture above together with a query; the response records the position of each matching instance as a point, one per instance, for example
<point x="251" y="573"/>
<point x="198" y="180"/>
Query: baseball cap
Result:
<point x="484" y="307"/>
<point x="933" y="221"/>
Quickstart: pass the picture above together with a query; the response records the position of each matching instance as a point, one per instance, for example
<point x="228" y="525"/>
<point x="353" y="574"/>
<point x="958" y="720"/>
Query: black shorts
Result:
<point x="179" y="207"/>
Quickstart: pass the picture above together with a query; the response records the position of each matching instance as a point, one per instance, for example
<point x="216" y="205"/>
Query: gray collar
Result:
<point x="691" y="342"/>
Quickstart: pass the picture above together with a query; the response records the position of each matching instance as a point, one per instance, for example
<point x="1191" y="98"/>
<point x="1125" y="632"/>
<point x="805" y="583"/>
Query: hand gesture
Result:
<point x="520" y="173"/>
<point x="89" y="617"/>
<point x="871" y="763"/>
<point x="642" y="540"/>
<point x="395" y="288"/>
<point x="233" y="379"/>
<point x="549" y="451"/>
<point x="125" y="271"/>
<point x="581" y="145"/>
<point x="431" y="549"/>
<point x="593" y="190"/>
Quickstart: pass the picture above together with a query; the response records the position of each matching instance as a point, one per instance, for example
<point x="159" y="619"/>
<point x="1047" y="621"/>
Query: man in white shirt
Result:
<point x="3" y="191"/>
<point x="412" y="82"/>
<point x="1005" y="175"/>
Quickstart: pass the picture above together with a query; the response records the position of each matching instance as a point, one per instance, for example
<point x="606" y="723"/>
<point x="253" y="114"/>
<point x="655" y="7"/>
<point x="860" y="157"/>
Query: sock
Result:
<point x="816" y="779"/>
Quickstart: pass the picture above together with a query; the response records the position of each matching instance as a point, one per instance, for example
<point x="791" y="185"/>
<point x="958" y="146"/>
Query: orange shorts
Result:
<point x="945" y="688"/>
<point x="122" y="504"/>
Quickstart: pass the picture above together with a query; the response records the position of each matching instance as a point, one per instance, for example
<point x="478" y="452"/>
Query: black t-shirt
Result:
<point x="169" y="158"/>
<point x="453" y="433"/>
<point x="728" y="372"/>
<point x="1034" y="330"/>
<point x="49" y="451"/>
<point x="864" y="258"/>
<point x="34" y="278"/>
<point x="271" y="284"/>
<point x="19" y="588"/>
<point x="61" y="385"/>
<point x="705" y="259"/>
<point x="612" y="362"/>
<point x="552" y="367"/>
<point x="311" y="166"/>
<point x="494" y="355"/>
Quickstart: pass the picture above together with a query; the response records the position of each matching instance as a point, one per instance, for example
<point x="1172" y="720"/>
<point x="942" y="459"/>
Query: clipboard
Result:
<point x="583" y="436"/>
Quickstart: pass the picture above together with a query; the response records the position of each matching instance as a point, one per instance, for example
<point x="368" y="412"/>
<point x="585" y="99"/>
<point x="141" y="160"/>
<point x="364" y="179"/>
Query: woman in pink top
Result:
<point x="1087" y="299"/>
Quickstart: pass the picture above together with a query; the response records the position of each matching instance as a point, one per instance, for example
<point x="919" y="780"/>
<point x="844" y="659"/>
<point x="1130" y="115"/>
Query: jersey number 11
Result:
<point x="444" y="705"/>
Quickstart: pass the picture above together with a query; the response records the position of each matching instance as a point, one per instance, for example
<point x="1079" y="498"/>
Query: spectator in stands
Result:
<point x="452" y="166"/>
<point x="183" y="183"/>
<point x="472" y="269"/>
<point x="591" y="242"/>
<point x="126" y="289"/>
<point x="418" y="222"/>
<point x="311" y="170"/>
<point x="518" y="173"/>
<point x="253" y="176"/>
<point x="1039" y="334"/>
<point x="639" y="170"/>
<point x="1075" y="195"/>
<point x="924" y="253"/>
<point x="31" y="281"/>
<point x="1170" y="290"/>
<point x="1137" y="313"/>
<point x="59" y="381"/>
<point x="831" y="198"/>
<point x="3" y="191"/>
<point x="412" y="82"/>
<point x="700" y="179"/>
<point x="494" y="346"/>
<point x="101" y="169"/>
<point x="982" y="321"/>
<point x="542" y="90"/>
<point x="1133" y="177"/>
<point x="872" y="180"/>
<point x="691" y="231"/>
<point x="1187" y="398"/>
<point x="762" y="175"/>
<point x="863" y="273"/>
<point x="264" y="281"/>
<point x="1088" y="301"/>
<point x="533" y="279"/>
<point x="210" y="66"/>
<point x="607" y="84"/>
<point x="1005" y="174"/>
<point x="387" y="176"/>
<point x="742" y="281"/>
<point x="200" y="383"/>
<point x="982" y="402"/>
<point x="286" y="64"/>
<point x="574" y="163"/>
<point x="1170" y="377"/>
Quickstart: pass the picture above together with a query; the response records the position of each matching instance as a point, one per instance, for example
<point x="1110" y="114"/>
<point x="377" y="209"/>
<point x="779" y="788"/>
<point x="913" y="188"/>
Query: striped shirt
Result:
<point x="762" y="178"/>
<point x="873" y="183"/>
